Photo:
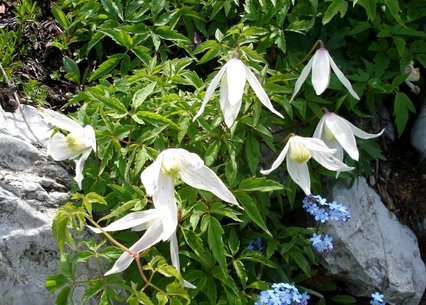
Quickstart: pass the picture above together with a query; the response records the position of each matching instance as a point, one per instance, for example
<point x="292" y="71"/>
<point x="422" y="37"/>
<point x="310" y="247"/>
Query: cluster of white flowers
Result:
<point x="332" y="135"/>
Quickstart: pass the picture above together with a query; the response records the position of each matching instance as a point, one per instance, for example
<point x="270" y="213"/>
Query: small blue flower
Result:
<point x="377" y="296"/>
<point x="305" y="297"/>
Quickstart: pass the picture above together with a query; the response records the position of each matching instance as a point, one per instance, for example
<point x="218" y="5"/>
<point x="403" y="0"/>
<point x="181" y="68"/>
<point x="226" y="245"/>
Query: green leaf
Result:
<point x="119" y="36"/>
<point x="110" y="102"/>
<point x="301" y="262"/>
<point x="402" y="106"/>
<point x="259" y="184"/>
<point x="336" y="6"/>
<point x="142" y="53"/>
<point x="252" y="153"/>
<point x="241" y="271"/>
<point x="155" y="117"/>
<point x="394" y="9"/>
<point x="211" y="152"/>
<point x="215" y="242"/>
<point x="55" y="282"/>
<point x="59" y="228"/>
<point x="370" y="8"/>
<point x="113" y="8"/>
<point x="400" y="44"/>
<point x="252" y="211"/>
<point x="106" y="67"/>
<point x="213" y="52"/>
<point x="105" y="300"/>
<point x="167" y="33"/>
<point x="141" y="95"/>
<point x="60" y="17"/>
<point x="65" y="265"/>
<point x="62" y="297"/>
<point x="72" y="69"/>
<point x="92" y="290"/>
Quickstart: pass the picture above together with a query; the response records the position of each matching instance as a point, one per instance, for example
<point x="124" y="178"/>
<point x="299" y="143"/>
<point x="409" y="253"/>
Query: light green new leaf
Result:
<point x="55" y="282"/>
<point x="141" y="95"/>
<point x="156" y="117"/>
<point x="252" y="211"/>
<point x="65" y="265"/>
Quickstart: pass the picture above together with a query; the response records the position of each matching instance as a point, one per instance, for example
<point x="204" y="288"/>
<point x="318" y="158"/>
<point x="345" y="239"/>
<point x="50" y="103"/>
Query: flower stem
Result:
<point x="307" y="55"/>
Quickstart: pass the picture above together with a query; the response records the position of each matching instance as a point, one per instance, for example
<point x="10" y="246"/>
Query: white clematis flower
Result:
<point x="233" y="76"/>
<point x="320" y="65"/>
<point x="161" y="222"/>
<point x="298" y="151"/>
<point x="79" y="140"/>
<point x="338" y="133"/>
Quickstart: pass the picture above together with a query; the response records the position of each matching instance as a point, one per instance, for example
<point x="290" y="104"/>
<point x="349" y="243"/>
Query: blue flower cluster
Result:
<point x="282" y="294"/>
<point x="256" y="245"/>
<point x="322" y="245"/>
<point x="324" y="211"/>
<point x="377" y="299"/>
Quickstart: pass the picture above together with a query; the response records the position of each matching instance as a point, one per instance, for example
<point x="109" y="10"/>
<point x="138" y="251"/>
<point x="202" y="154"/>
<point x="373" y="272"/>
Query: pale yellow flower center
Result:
<point x="171" y="165"/>
<point x="75" y="142"/>
<point x="299" y="153"/>
<point x="328" y="134"/>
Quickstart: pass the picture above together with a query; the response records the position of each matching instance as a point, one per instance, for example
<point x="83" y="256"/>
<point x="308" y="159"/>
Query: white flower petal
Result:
<point x="260" y="92"/>
<point x="59" y="120"/>
<point x="362" y="134"/>
<point x="300" y="175"/>
<point x="204" y="178"/>
<point x="130" y="220"/>
<point x="211" y="88"/>
<point x="164" y="201"/>
<point x="150" y="238"/>
<point x="150" y="175"/>
<point x="89" y="137"/>
<point x="79" y="164"/>
<point x="58" y="148"/>
<point x="328" y="161"/>
<point x="342" y="78"/>
<point x="235" y="78"/>
<point x="318" y="133"/>
<point x="174" y="254"/>
<point x="341" y="130"/>
<point x="313" y="144"/>
<point x="301" y="79"/>
<point x="278" y="161"/>
<point x="338" y="154"/>
<point x="320" y="70"/>
<point x="229" y="111"/>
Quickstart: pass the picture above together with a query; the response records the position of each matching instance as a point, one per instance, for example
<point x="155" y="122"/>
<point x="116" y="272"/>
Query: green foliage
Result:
<point x="142" y="76"/>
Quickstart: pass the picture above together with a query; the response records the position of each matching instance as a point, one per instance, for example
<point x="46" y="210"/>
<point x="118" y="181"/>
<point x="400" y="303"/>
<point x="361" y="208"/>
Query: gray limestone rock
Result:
<point x="373" y="251"/>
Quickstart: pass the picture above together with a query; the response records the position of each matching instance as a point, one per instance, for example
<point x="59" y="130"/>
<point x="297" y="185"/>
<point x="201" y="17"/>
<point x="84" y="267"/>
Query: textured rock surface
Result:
<point x="31" y="188"/>
<point x="418" y="133"/>
<point x="373" y="251"/>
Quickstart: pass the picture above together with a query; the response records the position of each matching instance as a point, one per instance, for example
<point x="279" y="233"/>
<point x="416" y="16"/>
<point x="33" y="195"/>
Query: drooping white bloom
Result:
<point x="79" y="140"/>
<point x="338" y="133"/>
<point x="161" y="222"/>
<point x="298" y="151"/>
<point x="233" y="76"/>
<point x="320" y="65"/>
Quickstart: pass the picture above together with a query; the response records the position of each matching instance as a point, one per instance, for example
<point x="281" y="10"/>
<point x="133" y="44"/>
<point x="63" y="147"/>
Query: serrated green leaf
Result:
<point x="301" y="262"/>
<point x="215" y="242"/>
<point x="241" y="271"/>
<point x="167" y="33"/>
<point x="156" y="117"/>
<point x="59" y="229"/>
<point x="370" y="7"/>
<point x="106" y="67"/>
<point x="114" y="8"/>
<point x="336" y="6"/>
<point x="211" y="152"/>
<point x="402" y="106"/>
<point x="252" y="211"/>
<point x="259" y="184"/>
<point x="105" y="300"/>
<point x="213" y="52"/>
<point x="394" y="9"/>
<point x="94" y="288"/>
<point x="141" y="95"/>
